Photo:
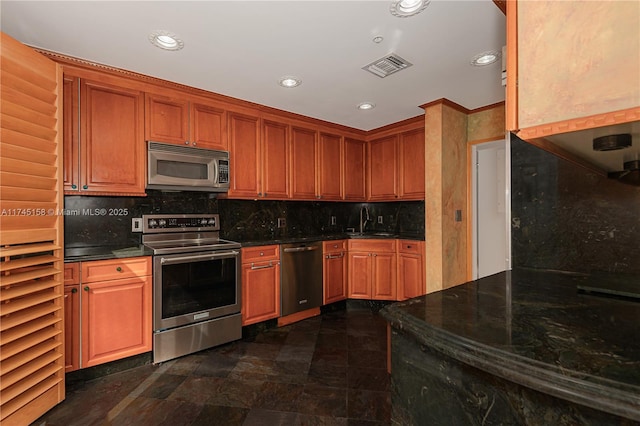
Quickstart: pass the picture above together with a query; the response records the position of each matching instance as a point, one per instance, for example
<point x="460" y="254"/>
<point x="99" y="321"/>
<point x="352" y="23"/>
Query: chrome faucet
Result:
<point x="364" y="218"/>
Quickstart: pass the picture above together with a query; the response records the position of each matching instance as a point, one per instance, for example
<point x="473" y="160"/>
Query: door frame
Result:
<point x="472" y="246"/>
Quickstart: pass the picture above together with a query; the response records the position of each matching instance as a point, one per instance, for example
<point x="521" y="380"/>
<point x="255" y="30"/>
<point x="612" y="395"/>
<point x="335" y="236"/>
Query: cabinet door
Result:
<point x="275" y="160"/>
<point x="244" y="152"/>
<point x="410" y="276"/>
<point x="384" y="276"/>
<point x="303" y="163"/>
<point x="167" y="119"/>
<point x="70" y="136"/>
<point x="260" y="292"/>
<point x="72" y="327"/>
<point x="208" y="127"/>
<point x="355" y="152"/>
<point x="382" y="169"/>
<point x="116" y="319"/>
<point x="330" y="176"/>
<point x="112" y="146"/>
<point x="334" y="277"/>
<point x="411" y="165"/>
<point x="359" y="282"/>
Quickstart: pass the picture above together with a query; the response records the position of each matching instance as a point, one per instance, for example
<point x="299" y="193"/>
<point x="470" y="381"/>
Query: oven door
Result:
<point x="193" y="287"/>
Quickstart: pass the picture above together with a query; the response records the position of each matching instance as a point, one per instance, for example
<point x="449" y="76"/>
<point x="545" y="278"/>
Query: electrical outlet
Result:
<point x="380" y="220"/>
<point x="282" y="222"/>
<point x="136" y="224"/>
<point x="458" y="216"/>
<point x="333" y="220"/>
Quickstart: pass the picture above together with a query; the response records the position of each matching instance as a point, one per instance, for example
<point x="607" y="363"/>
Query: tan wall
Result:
<point x="448" y="132"/>
<point x="570" y="71"/>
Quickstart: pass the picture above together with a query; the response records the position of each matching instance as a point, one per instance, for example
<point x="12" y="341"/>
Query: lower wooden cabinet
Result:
<point x="334" y="268"/>
<point x="260" y="283"/>
<point x="372" y="269"/>
<point x="411" y="274"/>
<point x="110" y="310"/>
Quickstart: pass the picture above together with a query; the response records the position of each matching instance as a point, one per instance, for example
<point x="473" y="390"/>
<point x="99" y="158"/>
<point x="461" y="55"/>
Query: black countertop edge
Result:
<point x="581" y="388"/>
<point x="332" y="237"/>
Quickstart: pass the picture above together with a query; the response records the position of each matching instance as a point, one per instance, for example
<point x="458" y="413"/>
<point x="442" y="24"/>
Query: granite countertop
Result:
<point x="85" y="253"/>
<point x="536" y="329"/>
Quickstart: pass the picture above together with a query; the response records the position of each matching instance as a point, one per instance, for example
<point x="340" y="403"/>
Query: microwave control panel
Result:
<point x="223" y="171"/>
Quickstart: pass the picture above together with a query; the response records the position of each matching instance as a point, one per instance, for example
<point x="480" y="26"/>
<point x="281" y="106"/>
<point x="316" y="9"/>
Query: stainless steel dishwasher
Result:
<point x="301" y="277"/>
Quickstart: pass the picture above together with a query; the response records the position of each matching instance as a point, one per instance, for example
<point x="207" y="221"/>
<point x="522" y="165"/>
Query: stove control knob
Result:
<point x="162" y="222"/>
<point x="212" y="221"/>
<point x="152" y="223"/>
<point x="204" y="221"/>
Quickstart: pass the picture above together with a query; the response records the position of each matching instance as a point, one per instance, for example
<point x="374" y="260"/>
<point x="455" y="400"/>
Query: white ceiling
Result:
<point x="242" y="48"/>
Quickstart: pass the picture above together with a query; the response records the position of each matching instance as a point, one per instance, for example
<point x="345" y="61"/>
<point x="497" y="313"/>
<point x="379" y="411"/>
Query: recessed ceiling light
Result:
<point x="366" y="105"/>
<point x="378" y="39"/>
<point x="485" y="58"/>
<point x="166" y="40"/>
<point x="290" y="82"/>
<point x="406" y="8"/>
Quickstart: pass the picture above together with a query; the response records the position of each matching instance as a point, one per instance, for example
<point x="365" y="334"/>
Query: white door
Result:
<point x="491" y="208"/>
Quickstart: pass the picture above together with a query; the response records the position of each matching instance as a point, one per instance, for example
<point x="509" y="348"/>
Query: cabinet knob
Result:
<point x="86" y="288"/>
<point x="259" y="194"/>
<point x="186" y="142"/>
<point x="85" y="186"/>
<point x="261" y="253"/>
<point x="74" y="290"/>
<point x="119" y="269"/>
<point x="74" y="186"/>
<point x="265" y="194"/>
<point x="193" y="144"/>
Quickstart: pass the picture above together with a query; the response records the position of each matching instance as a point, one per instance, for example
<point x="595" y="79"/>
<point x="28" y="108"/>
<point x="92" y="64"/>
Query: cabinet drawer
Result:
<point x="113" y="269"/>
<point x="373" y="246"/>
<point x="337" y="245"/>
<point x="71" y="273"/>
<point x="260" y="253"/>
<point x="410" y="246"/>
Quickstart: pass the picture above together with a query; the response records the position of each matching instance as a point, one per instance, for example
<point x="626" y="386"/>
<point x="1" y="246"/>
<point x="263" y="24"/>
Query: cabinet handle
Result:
<point x="331" y="256"/>
<point x="265" y="194"/>
<point x="253" y="267"/>
<point x="259" y="194"/>
<point x="375" y="255"/>
<point x="369" y="255"/>
<point x="85" y="187"/>
<point x="119" y="269"/>
<point x="86" y="288"/>
<point x="193" y="143"/>
<point x="186" y="142"/>
<point x="74" y="290"/>
<point x="74" y="186"/>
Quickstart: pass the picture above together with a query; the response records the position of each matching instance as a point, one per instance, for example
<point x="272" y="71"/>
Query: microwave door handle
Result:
<point x="198" y="257"/>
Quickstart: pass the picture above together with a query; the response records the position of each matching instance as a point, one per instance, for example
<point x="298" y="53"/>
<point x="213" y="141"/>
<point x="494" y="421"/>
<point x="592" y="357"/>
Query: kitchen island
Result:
<point x="518" y="347"/>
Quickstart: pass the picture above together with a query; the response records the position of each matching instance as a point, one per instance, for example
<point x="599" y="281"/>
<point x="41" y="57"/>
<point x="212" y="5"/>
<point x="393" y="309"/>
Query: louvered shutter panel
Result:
<point x="31" y="246"/>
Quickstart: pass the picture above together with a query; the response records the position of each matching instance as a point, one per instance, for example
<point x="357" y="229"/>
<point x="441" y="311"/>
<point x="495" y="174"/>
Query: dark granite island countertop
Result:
<point x="519" y="347"/>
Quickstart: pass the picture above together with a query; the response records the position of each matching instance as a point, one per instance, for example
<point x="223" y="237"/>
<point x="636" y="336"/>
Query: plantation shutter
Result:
<point x="31" y="246"/>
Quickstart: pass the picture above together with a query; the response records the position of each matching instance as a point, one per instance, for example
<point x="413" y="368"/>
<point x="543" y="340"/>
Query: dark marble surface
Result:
<point x="98" y="228"/>
<point x="566" y="217"/>
<point x="533" y="328"/>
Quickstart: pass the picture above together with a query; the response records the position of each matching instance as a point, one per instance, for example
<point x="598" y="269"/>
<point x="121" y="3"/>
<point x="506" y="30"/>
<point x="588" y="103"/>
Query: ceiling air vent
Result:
<point x="388" y="65"/>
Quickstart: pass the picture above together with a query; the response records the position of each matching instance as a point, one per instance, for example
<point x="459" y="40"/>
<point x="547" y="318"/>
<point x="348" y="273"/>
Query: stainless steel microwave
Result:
<point x="182" y="168"/>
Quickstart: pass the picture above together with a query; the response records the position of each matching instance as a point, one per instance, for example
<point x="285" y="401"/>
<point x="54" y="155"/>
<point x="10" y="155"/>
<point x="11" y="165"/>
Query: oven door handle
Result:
<point x="198" y="257"/>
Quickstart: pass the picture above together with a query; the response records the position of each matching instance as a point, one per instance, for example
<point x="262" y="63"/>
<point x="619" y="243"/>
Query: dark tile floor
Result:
<point x="326" y="370"/>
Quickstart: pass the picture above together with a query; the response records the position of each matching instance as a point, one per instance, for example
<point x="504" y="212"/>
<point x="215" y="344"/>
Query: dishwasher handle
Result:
<point x="298" y="249"/>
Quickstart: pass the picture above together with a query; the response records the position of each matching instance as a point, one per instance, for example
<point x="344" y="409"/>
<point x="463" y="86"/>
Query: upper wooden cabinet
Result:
<point x="330" y="167"/>
<point x="578" y="72"/>
<point x="303" y="163"/>
<point x="274" y="160"/>
<point x="101" y="158"/>
<point x="382" y="169"/>
<point x="411" y="165"/>
<point x="355" y="160"/>
<point x="185" y="121"/>
<point x="244" y="156"/>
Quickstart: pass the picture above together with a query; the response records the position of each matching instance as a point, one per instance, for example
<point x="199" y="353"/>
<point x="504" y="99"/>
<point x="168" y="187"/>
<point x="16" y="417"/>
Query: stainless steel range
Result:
<point x="196" y="284"/>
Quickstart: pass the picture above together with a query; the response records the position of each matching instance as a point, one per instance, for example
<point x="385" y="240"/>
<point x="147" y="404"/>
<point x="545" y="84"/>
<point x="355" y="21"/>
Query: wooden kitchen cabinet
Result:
<point x="104" y="150"/>
<point x="411" y="273"/>
<point x="372" y="269"/>
<point x="72" y="316"/>
<point x="274" y="160"/>
<point x="330" y="167"/>
<point x="303" y="163"/>
<point x="411" y="177"/>
<point x="334" y="278"/>
<point x="382" y="169"/>
<point x="355" y="160"/>
<point x="260" y="283"/>
<point x="185" y="121"/>
<point x="244" y="155"/>
<point x="108" y="309"/>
